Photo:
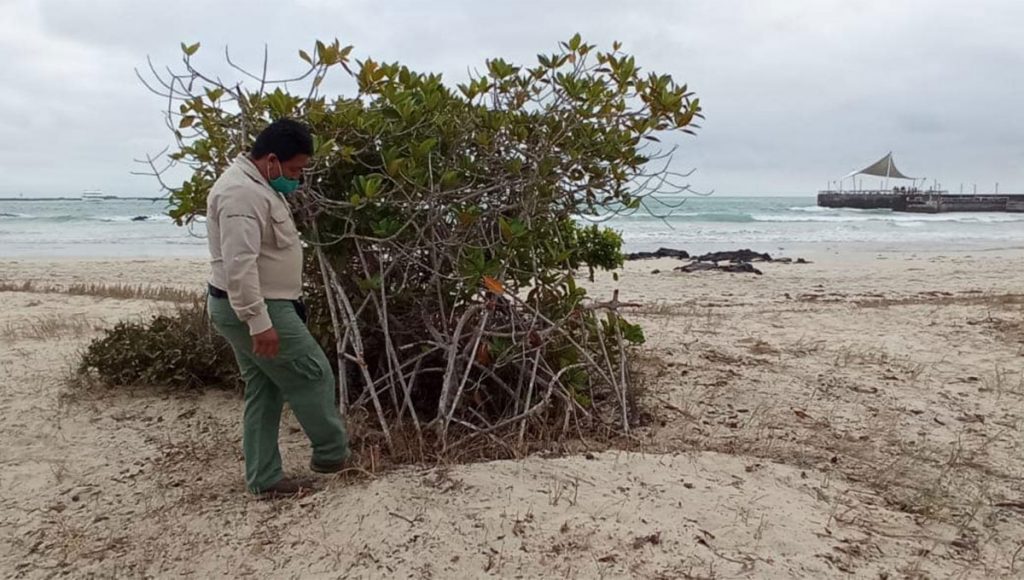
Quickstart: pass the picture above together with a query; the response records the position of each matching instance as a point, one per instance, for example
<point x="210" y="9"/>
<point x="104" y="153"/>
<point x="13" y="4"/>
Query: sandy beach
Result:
<point x="858" y="416"/>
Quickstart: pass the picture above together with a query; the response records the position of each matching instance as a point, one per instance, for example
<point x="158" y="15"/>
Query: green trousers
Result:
<point x="299" y="375"/>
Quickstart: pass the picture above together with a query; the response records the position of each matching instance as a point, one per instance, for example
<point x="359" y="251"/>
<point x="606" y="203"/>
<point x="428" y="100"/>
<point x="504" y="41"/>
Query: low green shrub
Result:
<point x="180" y="350"/>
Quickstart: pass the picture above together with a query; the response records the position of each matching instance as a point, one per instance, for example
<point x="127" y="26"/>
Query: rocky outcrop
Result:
<point x="660" y="253"/>
<point x="736" y="256"/>
<point x="737" y="261"/>
<point x="738" y="268"/>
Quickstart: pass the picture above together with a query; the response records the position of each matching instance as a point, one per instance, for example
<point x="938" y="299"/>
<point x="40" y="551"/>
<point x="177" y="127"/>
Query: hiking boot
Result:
<point x="287" y="487"/>
<point x="318" y="467"/>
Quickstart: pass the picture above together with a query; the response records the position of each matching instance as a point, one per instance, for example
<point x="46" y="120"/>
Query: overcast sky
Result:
<point x="796" y="92"/>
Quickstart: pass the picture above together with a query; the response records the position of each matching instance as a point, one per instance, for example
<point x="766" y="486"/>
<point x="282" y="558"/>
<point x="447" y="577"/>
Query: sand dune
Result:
<point x="860" y="416"/>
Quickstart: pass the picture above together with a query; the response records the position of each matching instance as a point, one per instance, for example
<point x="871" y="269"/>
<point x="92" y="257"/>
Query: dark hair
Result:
<point x="285" y="138"/>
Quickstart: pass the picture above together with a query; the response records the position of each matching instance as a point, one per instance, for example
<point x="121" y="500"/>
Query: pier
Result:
<point x="922" y="201"/>
<point x="917" y="197"/>
<point x="866" y="199"/>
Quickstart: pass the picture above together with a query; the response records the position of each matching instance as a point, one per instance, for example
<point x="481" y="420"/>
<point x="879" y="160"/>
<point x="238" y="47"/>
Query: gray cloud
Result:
<point x="795" y="92"/>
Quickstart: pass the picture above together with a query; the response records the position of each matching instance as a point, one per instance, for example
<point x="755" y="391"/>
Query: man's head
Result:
<point x="281" y="152"/>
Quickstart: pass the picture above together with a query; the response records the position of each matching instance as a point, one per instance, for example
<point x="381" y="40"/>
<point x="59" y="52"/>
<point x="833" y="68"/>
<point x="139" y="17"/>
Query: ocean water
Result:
<point x="797" y="224"/>
<point x="94" y="229"/>
<point x="786" y="225"/>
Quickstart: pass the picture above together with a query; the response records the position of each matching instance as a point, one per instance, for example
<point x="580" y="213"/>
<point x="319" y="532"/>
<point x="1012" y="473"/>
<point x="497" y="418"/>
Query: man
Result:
<point x="255" y="287"/>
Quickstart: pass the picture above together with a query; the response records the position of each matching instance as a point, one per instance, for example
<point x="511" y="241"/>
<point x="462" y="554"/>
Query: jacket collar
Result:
<point x="248" y="168"/>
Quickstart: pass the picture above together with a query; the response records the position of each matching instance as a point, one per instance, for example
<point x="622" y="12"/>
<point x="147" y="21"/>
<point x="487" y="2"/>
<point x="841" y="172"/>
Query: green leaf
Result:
<point x="632" y="332"/>
<point x="325" y="147"/>
<point x="190" y="49"/>
<point x="575" y="42"/>
<point x="506" y="229"/>
<point x="305" y="56"/>
<point x="449" y="178"/>
<point x="386" y="227"/>
<point x="394" y="167"/>
<point x="281" y="103"/>
<point x="372" y="186"/>
<point x="426" y="146"/>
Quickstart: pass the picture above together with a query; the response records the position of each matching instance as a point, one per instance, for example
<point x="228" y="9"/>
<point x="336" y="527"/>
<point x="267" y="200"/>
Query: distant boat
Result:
<point x="95" y="195"/>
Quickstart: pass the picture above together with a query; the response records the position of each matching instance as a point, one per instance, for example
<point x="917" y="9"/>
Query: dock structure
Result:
<point x="867" y="199"/>
<point x="941" y="203"/>
<point x="912" y="198"/>
<point x="922" y="202"/>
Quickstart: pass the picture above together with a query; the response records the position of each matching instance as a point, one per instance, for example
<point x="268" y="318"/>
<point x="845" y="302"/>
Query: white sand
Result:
<point x="847" y="418"/>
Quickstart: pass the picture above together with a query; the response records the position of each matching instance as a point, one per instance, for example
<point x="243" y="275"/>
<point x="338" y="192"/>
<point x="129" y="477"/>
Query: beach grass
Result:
<point x="48" y="327"/>
<point x="160" y="293"/>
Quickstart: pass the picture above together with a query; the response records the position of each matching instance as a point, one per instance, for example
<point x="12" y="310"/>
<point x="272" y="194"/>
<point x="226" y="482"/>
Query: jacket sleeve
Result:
<point x="241" y="231"/>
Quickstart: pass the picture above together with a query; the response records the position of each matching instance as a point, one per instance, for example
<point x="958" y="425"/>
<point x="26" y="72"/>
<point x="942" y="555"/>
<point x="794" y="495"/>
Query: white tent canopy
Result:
<point x="884" y="167"/>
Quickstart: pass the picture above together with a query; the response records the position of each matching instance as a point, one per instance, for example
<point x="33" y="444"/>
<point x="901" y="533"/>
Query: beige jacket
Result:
<point x="255" y="251"/>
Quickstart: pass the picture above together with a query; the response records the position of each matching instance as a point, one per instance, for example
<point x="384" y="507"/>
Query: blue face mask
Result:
<point x="282" y="184"/>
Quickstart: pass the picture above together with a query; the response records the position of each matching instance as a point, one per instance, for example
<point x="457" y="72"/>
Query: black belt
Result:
<point x="216" y="292"/>
<point x="300" y="306"/>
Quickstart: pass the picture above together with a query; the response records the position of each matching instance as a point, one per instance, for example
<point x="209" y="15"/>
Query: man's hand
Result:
<point x="266" y="343"/>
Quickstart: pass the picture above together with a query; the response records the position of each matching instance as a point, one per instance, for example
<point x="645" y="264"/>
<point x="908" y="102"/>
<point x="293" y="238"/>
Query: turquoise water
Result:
<point x="105" y="229"/>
